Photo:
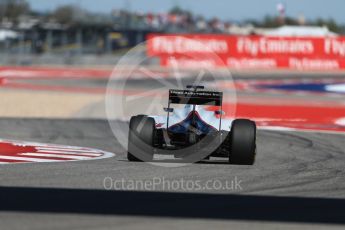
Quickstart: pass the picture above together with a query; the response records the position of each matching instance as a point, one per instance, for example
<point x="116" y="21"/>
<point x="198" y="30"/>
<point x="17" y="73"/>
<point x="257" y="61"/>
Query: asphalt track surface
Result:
<point x="297" y="182"/>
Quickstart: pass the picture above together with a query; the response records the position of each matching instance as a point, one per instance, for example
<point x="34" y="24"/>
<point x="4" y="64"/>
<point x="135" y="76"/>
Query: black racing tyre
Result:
<point x="140" y="138"/>
<point x="242" y="142"/>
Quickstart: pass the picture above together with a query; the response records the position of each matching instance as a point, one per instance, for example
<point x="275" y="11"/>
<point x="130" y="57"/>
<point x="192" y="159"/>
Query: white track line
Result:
<point x="56" y="156"/>
<point x="27" y="159"/>
<point x="72" y="153"/>
<point x="67" y="149"/>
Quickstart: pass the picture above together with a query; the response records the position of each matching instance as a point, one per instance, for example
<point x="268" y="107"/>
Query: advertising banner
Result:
<point x="321" y="53"/>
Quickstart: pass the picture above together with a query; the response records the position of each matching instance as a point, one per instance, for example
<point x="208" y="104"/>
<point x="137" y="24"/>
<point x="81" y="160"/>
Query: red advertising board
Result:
<point x="256" y="63"/>
<point x="249" y="51"/>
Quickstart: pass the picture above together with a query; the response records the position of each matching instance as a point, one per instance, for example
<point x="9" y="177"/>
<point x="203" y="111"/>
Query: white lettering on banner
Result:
<point x="335" y="47"/>
<point x="252" y="63"/>
<point x="313" y="64"/>
<point x="178" y="44"/>
<point x="191" y="63"/>
<point x="340" y="121"/>
<point x="273" y="46"/>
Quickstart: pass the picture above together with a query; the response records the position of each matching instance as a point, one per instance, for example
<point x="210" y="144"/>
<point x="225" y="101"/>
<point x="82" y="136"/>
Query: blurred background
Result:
<point x="87" y="32"/>
<point x="57" y="56"/>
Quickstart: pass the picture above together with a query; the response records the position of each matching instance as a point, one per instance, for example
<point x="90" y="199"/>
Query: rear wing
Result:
<point x="191" y="97"/>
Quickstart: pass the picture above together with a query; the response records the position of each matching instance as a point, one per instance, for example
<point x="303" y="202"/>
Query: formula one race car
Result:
<point x="193" y="132"/>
